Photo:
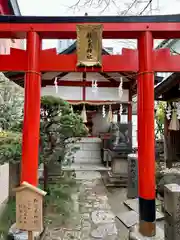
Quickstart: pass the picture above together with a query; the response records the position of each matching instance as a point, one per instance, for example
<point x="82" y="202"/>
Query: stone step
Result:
<point x="121" y="182"/>
<point x="85" y="167"/>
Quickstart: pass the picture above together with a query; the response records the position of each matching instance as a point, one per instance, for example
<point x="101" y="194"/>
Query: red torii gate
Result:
<point x="145" y="61"/>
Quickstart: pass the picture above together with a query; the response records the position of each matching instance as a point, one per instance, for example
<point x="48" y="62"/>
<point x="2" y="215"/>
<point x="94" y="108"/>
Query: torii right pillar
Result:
<point x="146" y="138"/>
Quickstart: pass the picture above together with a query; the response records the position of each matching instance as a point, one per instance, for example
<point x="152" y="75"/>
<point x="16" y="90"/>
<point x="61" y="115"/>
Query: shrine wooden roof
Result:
<point x="169" y="88"/>
<point x="14" y="6"/>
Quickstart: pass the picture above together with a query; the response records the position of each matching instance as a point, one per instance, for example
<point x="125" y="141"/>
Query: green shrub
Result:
<point x="8" y="218"/>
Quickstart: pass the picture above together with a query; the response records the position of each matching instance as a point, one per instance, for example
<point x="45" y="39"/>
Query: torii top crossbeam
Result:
<point x="114" y="27"/>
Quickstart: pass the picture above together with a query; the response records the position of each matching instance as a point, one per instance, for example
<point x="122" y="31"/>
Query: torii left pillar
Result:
<point x="146" y="150"/>
<point x="31" y="126"/>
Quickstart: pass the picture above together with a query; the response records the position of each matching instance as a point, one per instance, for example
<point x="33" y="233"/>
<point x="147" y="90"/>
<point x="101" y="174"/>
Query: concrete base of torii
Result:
<point x="135" y="235"/>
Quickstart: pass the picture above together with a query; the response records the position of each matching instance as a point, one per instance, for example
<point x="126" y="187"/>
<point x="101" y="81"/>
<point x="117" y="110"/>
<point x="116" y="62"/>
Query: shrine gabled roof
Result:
<point x="166" y="86"/>
<point x="172" y="81"/>
<point x="72" y="48"/>
<point x="15" y="7"/>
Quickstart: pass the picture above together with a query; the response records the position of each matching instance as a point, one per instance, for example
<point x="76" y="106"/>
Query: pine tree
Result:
<point x="60" y="129"/>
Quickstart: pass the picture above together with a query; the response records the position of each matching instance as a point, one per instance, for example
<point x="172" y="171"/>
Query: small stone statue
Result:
<point x="119" y="139"/>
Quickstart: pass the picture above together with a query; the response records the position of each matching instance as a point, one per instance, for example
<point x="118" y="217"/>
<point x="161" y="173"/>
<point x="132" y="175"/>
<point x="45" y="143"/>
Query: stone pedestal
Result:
<point x="89" y="151"/>
<point x="135" y="235"/>
<point x="172" y="211"/>
<point x="132" y="191"/>
<point x="106" y="159"/>
<point x="119" y="164"/>
<point x="15" y="233"/>
<point x="119" y="169"/>
<point x="104" y="146"/>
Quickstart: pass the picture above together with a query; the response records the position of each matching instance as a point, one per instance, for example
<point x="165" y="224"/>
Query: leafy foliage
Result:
<point x="11" y="104"/>
<point x="10" y="147"/>
<point x="8" y="218"/>
<point x="11" y="114"/>
<point x="58" y="126"/>
<point x="59" y="198"/>
<point x="159" y="116"/>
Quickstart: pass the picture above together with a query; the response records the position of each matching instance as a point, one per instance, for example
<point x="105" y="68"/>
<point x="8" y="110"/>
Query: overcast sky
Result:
<point x="64" y="8"/>
<point x="61" y="7"/>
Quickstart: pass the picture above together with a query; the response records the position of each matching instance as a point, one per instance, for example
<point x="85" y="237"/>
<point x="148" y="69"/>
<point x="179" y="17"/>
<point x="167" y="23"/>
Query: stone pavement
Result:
<point x="94" y="218"/>
<point x="99" y="212"/>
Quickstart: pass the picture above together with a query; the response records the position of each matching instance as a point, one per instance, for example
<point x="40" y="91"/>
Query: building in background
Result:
<point x="110" y="50"/>
<point x="64" y="44"/>
<point x="10" y="7"/>
<point x="7" y="7"/>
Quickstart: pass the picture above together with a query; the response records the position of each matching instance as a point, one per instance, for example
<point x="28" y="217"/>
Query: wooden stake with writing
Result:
<point x="30" y="235"/>
<point x="29" y="209"/>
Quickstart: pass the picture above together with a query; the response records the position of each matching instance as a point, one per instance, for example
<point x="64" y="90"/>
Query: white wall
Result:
<point x="4" y="182"/>
<point x="100" y="124"/>
<point x="106" y="94"/>
<point x="66" y="93"/>
<point x="75" y="93"/>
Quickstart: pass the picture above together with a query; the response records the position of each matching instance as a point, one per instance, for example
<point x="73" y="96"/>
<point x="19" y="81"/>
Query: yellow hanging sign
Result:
<point x="89" y="45"/>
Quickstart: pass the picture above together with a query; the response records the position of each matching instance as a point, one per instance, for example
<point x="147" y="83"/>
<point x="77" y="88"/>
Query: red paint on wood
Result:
<point x="30" y="143"/>
<point x="70" y="83"/>
<point x="146" y="154"/>
<point x="50" y="61"/>
<point x="84" y="87"/>
<point x="163" y="61"/>
<point x="4" y="8"/>
<point x="110" y="30"/>
<point x="130" y="106"/>
<point x="15" y="61"/>
<point x="95" y="102"/>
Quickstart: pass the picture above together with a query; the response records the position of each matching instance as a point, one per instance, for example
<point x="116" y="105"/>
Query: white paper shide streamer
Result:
<point x="110" y="115"/>
<point x="174" y="123"/>
<point x="168" y="112"/>
<point x="178" y="110"/>
<point x="120" y="109"/>
<point x="56" y="84"/>
<point x="120" y="88"/>
<point x="94" y="86"/>
<point x="83" y="114"/>
<point x="103" y="111"/>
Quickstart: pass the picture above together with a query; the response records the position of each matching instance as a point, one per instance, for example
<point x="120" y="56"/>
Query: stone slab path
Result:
<point x="94" y="218"/>
<point x="131" y="216"/>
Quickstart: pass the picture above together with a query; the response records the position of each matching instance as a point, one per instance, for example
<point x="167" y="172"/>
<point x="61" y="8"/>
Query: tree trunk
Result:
<point x="14" y="178"/>
<point x="167" y="143"/>
<point x="45" y="180"/>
